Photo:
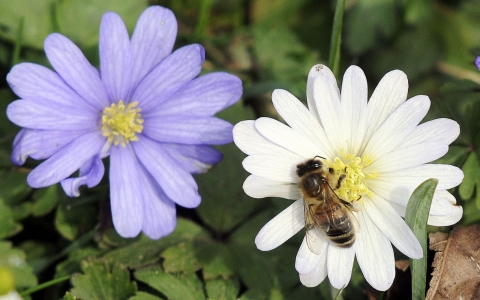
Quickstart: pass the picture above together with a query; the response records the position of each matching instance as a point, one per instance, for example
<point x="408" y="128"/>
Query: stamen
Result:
<point x="353" y="186"/>
<point x="121" y="123"/>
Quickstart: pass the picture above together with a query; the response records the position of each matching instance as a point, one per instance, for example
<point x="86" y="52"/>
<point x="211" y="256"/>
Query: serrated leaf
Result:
<point x="175" y="287"/>
<point x="144" y="296"/>
<point x="72" y="220"/>
<point x="80" y="19"/>
<point x="221" y="188"/>
<point x="362" y="35"/>
<point x="222" y="289"/>
<point x="180" y="258"/>
<point x="9" y="225"/>
<point x="218" y="261"/>
<point x="472" y="177"/>
<point x="73" y="263"/>
<point x="283" y="57"/>
<point x="45" y="200"/>
<point x="147" y="251"/>
<point x="36" y="17"/>
<point x="13" y="187"/>
<point x="15" y="259"/>
<point x="416" y="216"/>
<point x="100" y="282"/>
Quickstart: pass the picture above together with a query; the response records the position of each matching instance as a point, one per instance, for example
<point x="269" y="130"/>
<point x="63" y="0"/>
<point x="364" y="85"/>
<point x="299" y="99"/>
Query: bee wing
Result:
<point x="311" y="229"/>
<point x="353" y="218"/>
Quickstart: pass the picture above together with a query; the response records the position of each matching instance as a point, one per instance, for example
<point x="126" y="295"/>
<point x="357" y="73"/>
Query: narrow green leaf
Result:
<point x="416" y="217"/>
<point x="336" y="38"/>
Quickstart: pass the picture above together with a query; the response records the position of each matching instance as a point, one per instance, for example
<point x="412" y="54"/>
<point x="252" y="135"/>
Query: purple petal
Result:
<point x="477" y="62"/>
<point x="115" y="57"/>
<point x="188" y="130"/>
<point x="169" y="76"/>
<point x="91" y="174"/>
<point x="40" y="144"/>
<point x="204" y="96"/>
<point x="29" y="80"/>
<point x="152" y="40"/>
<point x="41" y="114"/>
<point x="74" y="68"/>
<point x="193" y="158"/>
<point x="159" y="212"/>
<point x="177" y="184"/>
<point x="66" y="161"/>
<point x="126" y="192"/>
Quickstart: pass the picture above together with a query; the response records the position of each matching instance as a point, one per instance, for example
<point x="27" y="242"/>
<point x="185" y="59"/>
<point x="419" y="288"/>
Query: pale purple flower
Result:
<point x="381" y="150"/>
<point x="477" y="62"/>
<point x="144" y="108"/>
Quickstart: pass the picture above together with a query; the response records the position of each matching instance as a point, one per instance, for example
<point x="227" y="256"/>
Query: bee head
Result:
<point x="309" y="166"/>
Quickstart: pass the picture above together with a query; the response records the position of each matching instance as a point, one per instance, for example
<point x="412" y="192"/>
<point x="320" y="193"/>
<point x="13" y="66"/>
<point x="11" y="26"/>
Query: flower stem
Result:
<point x="336" y="39"/>
<point x="44" y="285"/>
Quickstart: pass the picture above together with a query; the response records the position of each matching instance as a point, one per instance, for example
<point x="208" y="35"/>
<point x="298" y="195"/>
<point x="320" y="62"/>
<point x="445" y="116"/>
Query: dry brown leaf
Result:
<point x="456" y="273"/>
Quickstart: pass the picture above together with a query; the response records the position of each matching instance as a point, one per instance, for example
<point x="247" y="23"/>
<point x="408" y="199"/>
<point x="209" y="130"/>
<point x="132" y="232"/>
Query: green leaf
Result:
<point x="144" y="296"/>
<point x="222" y="289"/>
<point x="218" y="260"/>
<point x="146" y="251"/>
<point x="80" y="19"/>
<point x="221" y="187"/>
<point x="100" y="282"/>
<point x="73" y="263"/>
<point x="36" y="17"/>
<point x="181" y="258"/>
<point x="45" y="200"/>
<point x="472" y="177"/>
<point x="13" y="187"/>
<point x="9" y="225"/>
<point x="72" y="220"/>
<point x="181" y="287"/>
<point x="15" y="259"/>
<point x="416" y="216"/>
<point x="367" y="22"/>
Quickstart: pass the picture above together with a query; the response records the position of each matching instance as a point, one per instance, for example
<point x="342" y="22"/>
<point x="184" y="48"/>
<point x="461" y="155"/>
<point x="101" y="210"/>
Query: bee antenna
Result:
<point x="319" y="157"/>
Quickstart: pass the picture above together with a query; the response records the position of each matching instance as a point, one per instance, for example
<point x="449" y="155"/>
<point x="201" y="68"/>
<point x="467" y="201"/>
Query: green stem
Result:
<point x="44" y="285"/>
<point x="203" y="19"/>
<point x="336" y="39"/>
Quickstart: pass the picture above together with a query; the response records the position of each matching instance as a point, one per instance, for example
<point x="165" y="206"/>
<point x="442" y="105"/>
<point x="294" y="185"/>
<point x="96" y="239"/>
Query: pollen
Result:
<point x="353" y="185"/>
<point x="121" y="123"/>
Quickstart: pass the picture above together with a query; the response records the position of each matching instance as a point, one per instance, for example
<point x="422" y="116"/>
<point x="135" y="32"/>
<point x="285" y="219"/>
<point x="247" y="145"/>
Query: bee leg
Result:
<point x="340" y="179"/>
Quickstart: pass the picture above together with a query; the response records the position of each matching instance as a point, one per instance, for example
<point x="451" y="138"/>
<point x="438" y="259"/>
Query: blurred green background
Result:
<point x="269" y="44"/>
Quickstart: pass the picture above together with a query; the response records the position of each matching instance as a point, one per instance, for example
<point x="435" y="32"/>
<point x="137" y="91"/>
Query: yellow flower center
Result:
<point x="353" y="185"/>
<point x="121" y="123"/>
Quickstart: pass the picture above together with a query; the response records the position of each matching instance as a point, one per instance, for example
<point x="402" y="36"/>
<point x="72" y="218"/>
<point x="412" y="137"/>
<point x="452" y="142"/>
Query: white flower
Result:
<point x="379" y="146"/>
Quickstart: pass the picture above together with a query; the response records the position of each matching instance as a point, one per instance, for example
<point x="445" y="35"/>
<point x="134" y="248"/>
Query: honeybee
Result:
<point x="323" y="208"/>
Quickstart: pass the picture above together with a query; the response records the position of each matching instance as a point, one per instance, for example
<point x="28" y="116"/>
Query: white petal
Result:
<point x="438" y="130"/>
<point x="454" y="215"/>
<point x="301" y="119"/>
<point x="397" y="127"/>
<point x="317" y="275"/>
<point x="331" y="113"/>
<point x="272" y="167"/>
<point x="446" y="220"/>
<point x="374" y="254"/>
<point x="392" y="226"/>
<point x="390" y="92"/>
<point x="287" y="137"/>
<point x="315" y="72"/>
<point x="354" y="103"/>
<point x="448" y="176"/>
<point x="258" y="187"/>
<point x="282" y="227"/>
<point x="339" y="265"/>
<point x="250" y="141"/>
<point x="408" y="157"/>
<point x="306" y="260"/>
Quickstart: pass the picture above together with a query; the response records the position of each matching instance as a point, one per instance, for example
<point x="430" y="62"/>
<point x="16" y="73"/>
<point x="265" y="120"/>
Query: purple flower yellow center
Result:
<point x="121" y="123"/>
<point x="354" y="185"/>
